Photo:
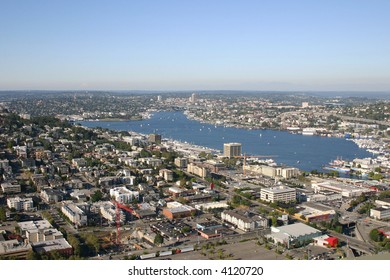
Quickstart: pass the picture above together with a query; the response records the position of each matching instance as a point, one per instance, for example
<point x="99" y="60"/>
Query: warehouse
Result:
<point x="294" y="234"/>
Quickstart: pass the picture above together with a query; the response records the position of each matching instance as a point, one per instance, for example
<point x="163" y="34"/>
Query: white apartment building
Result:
<point x="124" y="195"/>
<point x="245" y="221"/>
<point x="108" y="211"/>
<point x="274" y="171"/>
<point x="75" y="213"/>
<point x="38" y="231"/>
<point x="19" y="204"/>
<point x="10" y="188"/>
<point x="278" y="193"/>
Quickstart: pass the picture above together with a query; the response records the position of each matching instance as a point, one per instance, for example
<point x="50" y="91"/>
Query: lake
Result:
<point x="304" y="152"/>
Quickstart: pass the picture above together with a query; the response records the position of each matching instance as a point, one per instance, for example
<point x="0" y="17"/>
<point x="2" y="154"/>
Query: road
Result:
<point x="355" y="243"/>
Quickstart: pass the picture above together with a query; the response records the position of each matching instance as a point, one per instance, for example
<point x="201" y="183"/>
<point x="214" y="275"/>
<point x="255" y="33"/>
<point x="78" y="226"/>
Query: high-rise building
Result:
<point x="193" y="98"/>
<point x="155" y="138"/>
<point x="231" y="149"/>
<point x="159" y="98"/>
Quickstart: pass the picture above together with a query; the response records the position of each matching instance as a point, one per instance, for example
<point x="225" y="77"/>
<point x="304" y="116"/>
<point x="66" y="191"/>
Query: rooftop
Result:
<point x="34" y="225"/>
<point x="295" y="230"/>
<point x="278" y="189"/>
<point x="47" y="246"/>
<point x="13" y="246"/>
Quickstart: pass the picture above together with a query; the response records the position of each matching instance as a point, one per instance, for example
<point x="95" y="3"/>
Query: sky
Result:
<point x="188" y="45"/>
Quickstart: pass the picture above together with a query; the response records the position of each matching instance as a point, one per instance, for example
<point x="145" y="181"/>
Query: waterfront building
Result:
<point x="278" y="193"/>
<point x="155" y="138"/>
<point x="232" y="149"/>
<point x="346" y="190"/>
<point x="274" y="171"/>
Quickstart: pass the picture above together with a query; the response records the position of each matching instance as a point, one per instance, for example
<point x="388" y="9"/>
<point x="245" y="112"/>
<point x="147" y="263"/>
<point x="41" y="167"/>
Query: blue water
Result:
<point x="304" y="152"/>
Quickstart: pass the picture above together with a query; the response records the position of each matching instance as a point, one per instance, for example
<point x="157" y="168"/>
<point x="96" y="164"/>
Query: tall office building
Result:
<point x="231" y="149"/>
<point x="155" y="138"/>
<point x="193" y="98"/>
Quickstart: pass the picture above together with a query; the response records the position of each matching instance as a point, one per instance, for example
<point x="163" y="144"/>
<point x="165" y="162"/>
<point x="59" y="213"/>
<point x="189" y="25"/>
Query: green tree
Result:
<point x="158" y="239"/>
<point x="376" y="236"/>
<point x="185" y="229"/>
<point x="97" y="196"/>
<point x="3" y="216"/>
<point x="75" y="243"/>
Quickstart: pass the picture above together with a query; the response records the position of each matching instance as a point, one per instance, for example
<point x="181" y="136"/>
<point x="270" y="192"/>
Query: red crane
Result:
<point x="118" y="217"/>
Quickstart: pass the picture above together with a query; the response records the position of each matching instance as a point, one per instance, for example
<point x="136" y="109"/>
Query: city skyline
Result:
<point x="223" y="45"/>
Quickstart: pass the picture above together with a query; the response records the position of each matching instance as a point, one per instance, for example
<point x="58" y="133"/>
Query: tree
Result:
<point x="3" y="216"/>
<point x="376" y="236"/>
<point x="158" y="239"/>
<point x="274" y="221"/>
<point x="93" y="243"/>
<point x="185" y="229"/>
<point x="75" y="243"/>
<point x="97" y="196"/>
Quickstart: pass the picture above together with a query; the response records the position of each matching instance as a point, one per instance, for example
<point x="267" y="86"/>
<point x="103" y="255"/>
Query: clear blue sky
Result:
<point x="172" y="45"/>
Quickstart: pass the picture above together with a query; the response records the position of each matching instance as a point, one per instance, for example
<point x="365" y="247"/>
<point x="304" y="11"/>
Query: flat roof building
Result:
<point x="124" y="195"/>
<point x="244" y="220"/>
<point x="297" y="234"/>
<point x="10" y="188"/>
<point x="380" y="213"/>
<point x="314" y="213"/>
<point x="346" y="190"/>
<point x="278" y="193"/>
<point x="14" y="249"/>
<point x="176" y="210"/>
<point x="60" y="245"/>
<point x="232" y="149"/>
<point x="155" y="138"/>
<point x="75" y="212"/>
<point x="37" y="231"/>
<point x="212" y="205"/>
<point x="274" y="171"/>
<point x="25" y="204"/>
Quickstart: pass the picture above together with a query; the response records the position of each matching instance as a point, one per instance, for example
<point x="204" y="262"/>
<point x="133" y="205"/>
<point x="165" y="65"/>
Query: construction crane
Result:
<point x="245" y="157"/>
<point x="119" y="206"/>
